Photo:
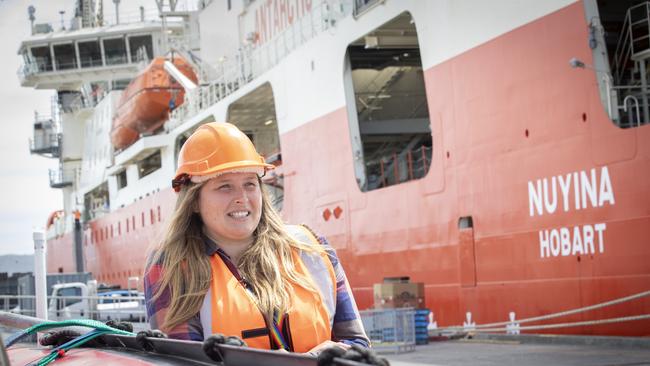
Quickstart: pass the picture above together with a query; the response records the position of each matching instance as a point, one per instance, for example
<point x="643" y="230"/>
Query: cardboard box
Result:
<point x="389" y="295"/>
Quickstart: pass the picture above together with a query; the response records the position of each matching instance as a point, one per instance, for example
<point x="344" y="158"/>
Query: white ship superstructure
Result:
<point x="495" y="151"/>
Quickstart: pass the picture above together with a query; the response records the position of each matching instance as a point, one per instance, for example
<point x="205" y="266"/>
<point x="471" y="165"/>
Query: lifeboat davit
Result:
<point x="147" y="100"/>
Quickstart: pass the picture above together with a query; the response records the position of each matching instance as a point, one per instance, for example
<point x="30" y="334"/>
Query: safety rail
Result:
<point x="45" y="144"/>
<point x="398" y="167"/>
<point x="60" y="178"/>
<point x="634" y="40"/>
<point x="251" y="62"/>
<point x="82" y="101"/>
<point x="632" y="105"/>
<point x="150" y="14"/>
<point x="627" y="87"/>
<point x="99" y="307"/>
<point x="514" y="326"/>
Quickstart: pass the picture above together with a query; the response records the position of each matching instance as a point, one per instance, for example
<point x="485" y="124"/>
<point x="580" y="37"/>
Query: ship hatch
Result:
<point x="254" y="113"/>
<point x="619" y="36"/>
<point x="387" y="106"/>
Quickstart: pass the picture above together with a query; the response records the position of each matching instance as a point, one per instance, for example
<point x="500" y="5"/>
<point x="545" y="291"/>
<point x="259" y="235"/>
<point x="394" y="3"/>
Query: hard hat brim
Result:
<point x="237" y="166"/>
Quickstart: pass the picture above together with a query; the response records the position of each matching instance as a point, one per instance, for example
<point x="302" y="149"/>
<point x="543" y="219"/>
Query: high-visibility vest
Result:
<point x="309" y="320"/>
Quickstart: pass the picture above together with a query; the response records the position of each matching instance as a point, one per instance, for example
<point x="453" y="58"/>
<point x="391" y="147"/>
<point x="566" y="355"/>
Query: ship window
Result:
<point x="141" y="48"/>
<point x="254" y="113"/>
<point x="64" y="56"/>
<point x="121" y="179"/>
<point x="120" y="84"/>
<point x="42" y="58"/>
<point x="618" y="37"/>
<point x="387" y="106"/>
<point x="149" y="164"/>
<point x="115" y="51"/>
<point x="180" y="140"/>
<point x="96" y="202"/>
<point x="361" y="6"/>
<point x="90" y="54"/>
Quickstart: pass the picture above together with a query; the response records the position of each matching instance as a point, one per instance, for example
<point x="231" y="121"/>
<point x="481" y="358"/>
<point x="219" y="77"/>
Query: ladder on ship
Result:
<point x="630" y="67"/>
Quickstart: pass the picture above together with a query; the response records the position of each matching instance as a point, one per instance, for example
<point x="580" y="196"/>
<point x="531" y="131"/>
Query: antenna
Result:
<point x="31" y="10"/>
<point x="117" y="11"/>
<point x="62" y="12"/>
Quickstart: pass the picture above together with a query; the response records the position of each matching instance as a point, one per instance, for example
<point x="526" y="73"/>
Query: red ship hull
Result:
<point x="506" y="116"/>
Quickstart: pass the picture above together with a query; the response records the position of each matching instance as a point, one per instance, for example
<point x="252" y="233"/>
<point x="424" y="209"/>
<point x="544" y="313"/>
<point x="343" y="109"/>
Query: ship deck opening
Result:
<point x="619" y="35"/>
<point x="389" y="114"/>
<point x="254" y="113"/>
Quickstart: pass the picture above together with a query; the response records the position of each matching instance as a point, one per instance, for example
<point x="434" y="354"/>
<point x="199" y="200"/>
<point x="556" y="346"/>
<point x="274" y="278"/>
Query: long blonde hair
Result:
<point x="267" y="265"/>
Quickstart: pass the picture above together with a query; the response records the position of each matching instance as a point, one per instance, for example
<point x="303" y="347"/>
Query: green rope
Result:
<point x="99" y="329"/>
<point x="78" y="322"/>
<point x="56" y="352"/>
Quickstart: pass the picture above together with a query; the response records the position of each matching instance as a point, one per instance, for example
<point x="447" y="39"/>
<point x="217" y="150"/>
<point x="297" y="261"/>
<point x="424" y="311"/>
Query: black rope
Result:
<point x="142" y="338"/>
<point x="211" y="345"/>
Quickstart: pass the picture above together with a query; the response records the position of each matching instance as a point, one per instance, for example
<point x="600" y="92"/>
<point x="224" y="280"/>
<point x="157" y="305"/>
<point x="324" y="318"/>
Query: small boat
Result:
<point x="147" y="100"/>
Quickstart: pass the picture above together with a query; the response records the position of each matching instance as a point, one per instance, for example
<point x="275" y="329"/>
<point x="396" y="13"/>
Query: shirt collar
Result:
<point x="211" y="246"/>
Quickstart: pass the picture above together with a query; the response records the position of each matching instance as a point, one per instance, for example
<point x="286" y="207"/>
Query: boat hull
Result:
<point x="146" y="102"/>
<point x="508" y="118"/>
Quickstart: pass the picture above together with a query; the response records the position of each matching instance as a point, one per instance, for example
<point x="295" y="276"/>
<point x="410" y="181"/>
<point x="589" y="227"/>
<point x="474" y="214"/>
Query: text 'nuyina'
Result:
<point x="573" y="191"/>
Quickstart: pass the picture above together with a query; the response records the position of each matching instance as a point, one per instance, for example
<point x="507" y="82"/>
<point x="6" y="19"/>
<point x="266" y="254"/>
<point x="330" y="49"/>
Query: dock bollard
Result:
<point x="40" y="282"/>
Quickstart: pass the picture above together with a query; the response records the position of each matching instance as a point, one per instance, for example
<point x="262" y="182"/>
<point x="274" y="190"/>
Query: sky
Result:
<point x="26" y="199"/>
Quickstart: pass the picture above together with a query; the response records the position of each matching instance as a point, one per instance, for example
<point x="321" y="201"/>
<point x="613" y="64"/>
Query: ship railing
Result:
<point x="252" y="61"/>
<point x="150" y="14"/>
<point x="514" y="325"/>
<point x="99" y="307"/>
<point x="80" y="102"/>
<point x="57" y="228"/>
<point x="68" y="65"/>
<point x="29" y="68"/>
<point x="632" y="102"/>
<point x="397" y="168"/>
<point x="633" y="42"/>
<point x="45" y="143"/>
<point x="88" y="62"/>
<point x="60" y="178"/>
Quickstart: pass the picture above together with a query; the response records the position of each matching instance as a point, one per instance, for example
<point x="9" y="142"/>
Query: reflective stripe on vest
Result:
<point x="233" y="311"/>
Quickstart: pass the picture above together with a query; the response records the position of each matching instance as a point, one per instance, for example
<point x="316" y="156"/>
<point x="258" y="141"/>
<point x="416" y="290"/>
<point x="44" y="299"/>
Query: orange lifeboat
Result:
<point x="147" y="100"/>
<point x="53" y="217"/>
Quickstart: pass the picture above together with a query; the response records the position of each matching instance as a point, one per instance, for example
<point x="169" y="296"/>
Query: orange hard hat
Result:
<point x="216" y="148"/>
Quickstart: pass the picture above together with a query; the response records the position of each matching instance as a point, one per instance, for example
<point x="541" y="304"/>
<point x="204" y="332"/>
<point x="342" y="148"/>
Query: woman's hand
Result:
<point x="328" y="344"/>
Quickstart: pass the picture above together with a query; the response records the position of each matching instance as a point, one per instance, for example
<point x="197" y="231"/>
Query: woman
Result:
<point x="229" y="265"/>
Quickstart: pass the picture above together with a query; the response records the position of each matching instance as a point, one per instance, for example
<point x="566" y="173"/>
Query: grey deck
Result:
<point x="529" y="351"/>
